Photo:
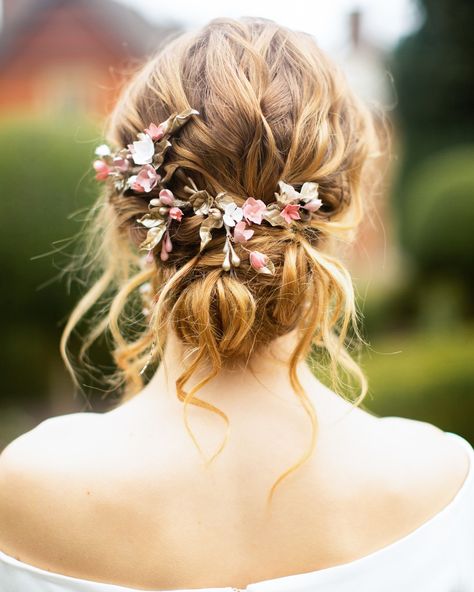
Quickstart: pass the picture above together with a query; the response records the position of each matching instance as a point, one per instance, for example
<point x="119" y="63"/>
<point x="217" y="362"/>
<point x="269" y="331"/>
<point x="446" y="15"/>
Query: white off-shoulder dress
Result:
<point x="436" y="557"/>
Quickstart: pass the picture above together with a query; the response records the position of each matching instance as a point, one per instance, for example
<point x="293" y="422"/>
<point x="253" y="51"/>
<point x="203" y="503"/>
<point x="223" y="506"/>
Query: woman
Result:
<point x="236" y="159"/>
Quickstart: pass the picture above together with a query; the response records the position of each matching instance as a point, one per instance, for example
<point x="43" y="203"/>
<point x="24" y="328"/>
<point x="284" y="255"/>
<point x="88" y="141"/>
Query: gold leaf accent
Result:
<point x="161" y="148"/>
<point x="180" y="203"/>
<point x="153" y="237"/>
<point x="150" y="221"/>
<point x="272" y="215"/>
<point x="176" y="121"/>
<point x="223" y="200"/>
<point x="201" y="202"/>
<point x="205" y="230"/>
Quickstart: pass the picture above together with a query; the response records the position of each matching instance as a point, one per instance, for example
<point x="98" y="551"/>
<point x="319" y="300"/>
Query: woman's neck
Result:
<point x="256" y="387"/>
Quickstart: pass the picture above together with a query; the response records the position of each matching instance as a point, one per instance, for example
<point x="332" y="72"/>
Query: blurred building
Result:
<point x="375" y="256"/>
<point x="364" y="63"/>
<point x="60" y="56"/>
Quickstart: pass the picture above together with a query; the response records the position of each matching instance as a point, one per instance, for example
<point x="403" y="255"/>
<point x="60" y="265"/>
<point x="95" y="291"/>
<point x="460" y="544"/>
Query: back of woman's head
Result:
<point x="271" y="107"/>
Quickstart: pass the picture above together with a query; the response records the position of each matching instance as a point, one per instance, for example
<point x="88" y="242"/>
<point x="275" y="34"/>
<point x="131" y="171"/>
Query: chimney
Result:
<point x="355" y="20"/>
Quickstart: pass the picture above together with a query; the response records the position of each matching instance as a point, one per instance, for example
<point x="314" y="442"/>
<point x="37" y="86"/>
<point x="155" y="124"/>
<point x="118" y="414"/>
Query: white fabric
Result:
<point x="436" y="557"/>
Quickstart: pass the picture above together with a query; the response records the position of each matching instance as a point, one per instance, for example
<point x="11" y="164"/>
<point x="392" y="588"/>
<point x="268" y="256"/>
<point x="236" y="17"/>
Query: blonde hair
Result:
<point x="272" y="106"/>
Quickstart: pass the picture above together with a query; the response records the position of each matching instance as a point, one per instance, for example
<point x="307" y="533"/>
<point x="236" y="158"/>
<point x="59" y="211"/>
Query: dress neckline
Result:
<point x="289" y="582"/>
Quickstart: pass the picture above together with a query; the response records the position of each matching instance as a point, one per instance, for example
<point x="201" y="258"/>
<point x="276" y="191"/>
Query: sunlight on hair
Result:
<point x="272" y="106"/>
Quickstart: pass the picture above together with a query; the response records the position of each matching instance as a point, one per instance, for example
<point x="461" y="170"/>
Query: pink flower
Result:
<point x="242" y="235"/>
<point x="121" y="164"/>
<point x="290" y="212"/>
<point x="175" y="213"/>
<point x="102" y="170"/>
<point x="166" y="197"/>
<point x="156" y="132"/>
<point x="146" y="179"/>
<point x="253" y="209"/>
<point x="166" y="247"/>
<point x="313" y="205"/>
<point x="258" y="260"/>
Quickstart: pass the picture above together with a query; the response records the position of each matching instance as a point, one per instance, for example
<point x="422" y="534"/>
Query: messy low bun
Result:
<point x="272" y="107"/>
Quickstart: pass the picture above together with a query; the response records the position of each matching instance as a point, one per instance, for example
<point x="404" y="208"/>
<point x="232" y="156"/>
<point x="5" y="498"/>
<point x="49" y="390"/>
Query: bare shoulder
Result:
<point x="427" y="468"/>
<point x="399" y="473"/>
<point x="51" y="436"/>
<point x="38" y="469"/>
<point x="44" y="449"/>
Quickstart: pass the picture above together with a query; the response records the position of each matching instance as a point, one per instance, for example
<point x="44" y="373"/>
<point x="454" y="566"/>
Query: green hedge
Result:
<point x="439" y="221"/>
<point x="45" y="178"/>
<point x="427" y="376"/>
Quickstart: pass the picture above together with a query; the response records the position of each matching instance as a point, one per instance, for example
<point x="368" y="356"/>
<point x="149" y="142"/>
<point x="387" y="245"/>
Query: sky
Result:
<point x="384" y="21"/>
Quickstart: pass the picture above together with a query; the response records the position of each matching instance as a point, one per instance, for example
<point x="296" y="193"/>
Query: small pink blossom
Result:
<point x="242" y="235"/>
<point x="258" y="260"/>
<point x="166" y="197"/>
<point x="102" y="170"/>
<point x="121" y="164"/>
<point x="253" y="209"/>
<point x="290" y="212"/>
<point x="166" y="247"/>
<point x="146" y="179"/>
<point x="313" y="205"/>
<point x="156" y="132"/>
<point x="175" y="213"/>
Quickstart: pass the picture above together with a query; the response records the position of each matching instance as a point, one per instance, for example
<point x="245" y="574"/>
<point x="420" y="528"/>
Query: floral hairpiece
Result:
<point x="136" y="168"/>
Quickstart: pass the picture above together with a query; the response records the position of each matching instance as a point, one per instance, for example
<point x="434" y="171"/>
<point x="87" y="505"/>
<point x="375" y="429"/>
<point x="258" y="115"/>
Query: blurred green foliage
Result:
<point x="44" y="172"/>
<point x="439" y="229"/>
<point x="434" y="195"/>
<point x="434" y="75"/>
<point x="425" y="375"/>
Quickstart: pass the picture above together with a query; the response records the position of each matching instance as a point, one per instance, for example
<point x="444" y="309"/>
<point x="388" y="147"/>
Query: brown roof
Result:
<point x="132" y="31"/>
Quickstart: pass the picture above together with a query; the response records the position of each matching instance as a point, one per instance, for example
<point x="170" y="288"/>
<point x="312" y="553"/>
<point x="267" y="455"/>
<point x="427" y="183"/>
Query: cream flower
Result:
<point x="142" y="150"/>
<point x="232" y="214"/>
<point x="102" y="150"/>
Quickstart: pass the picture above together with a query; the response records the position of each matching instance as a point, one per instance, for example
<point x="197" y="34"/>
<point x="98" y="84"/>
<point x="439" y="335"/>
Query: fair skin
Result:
<point x="123" y="497"/>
